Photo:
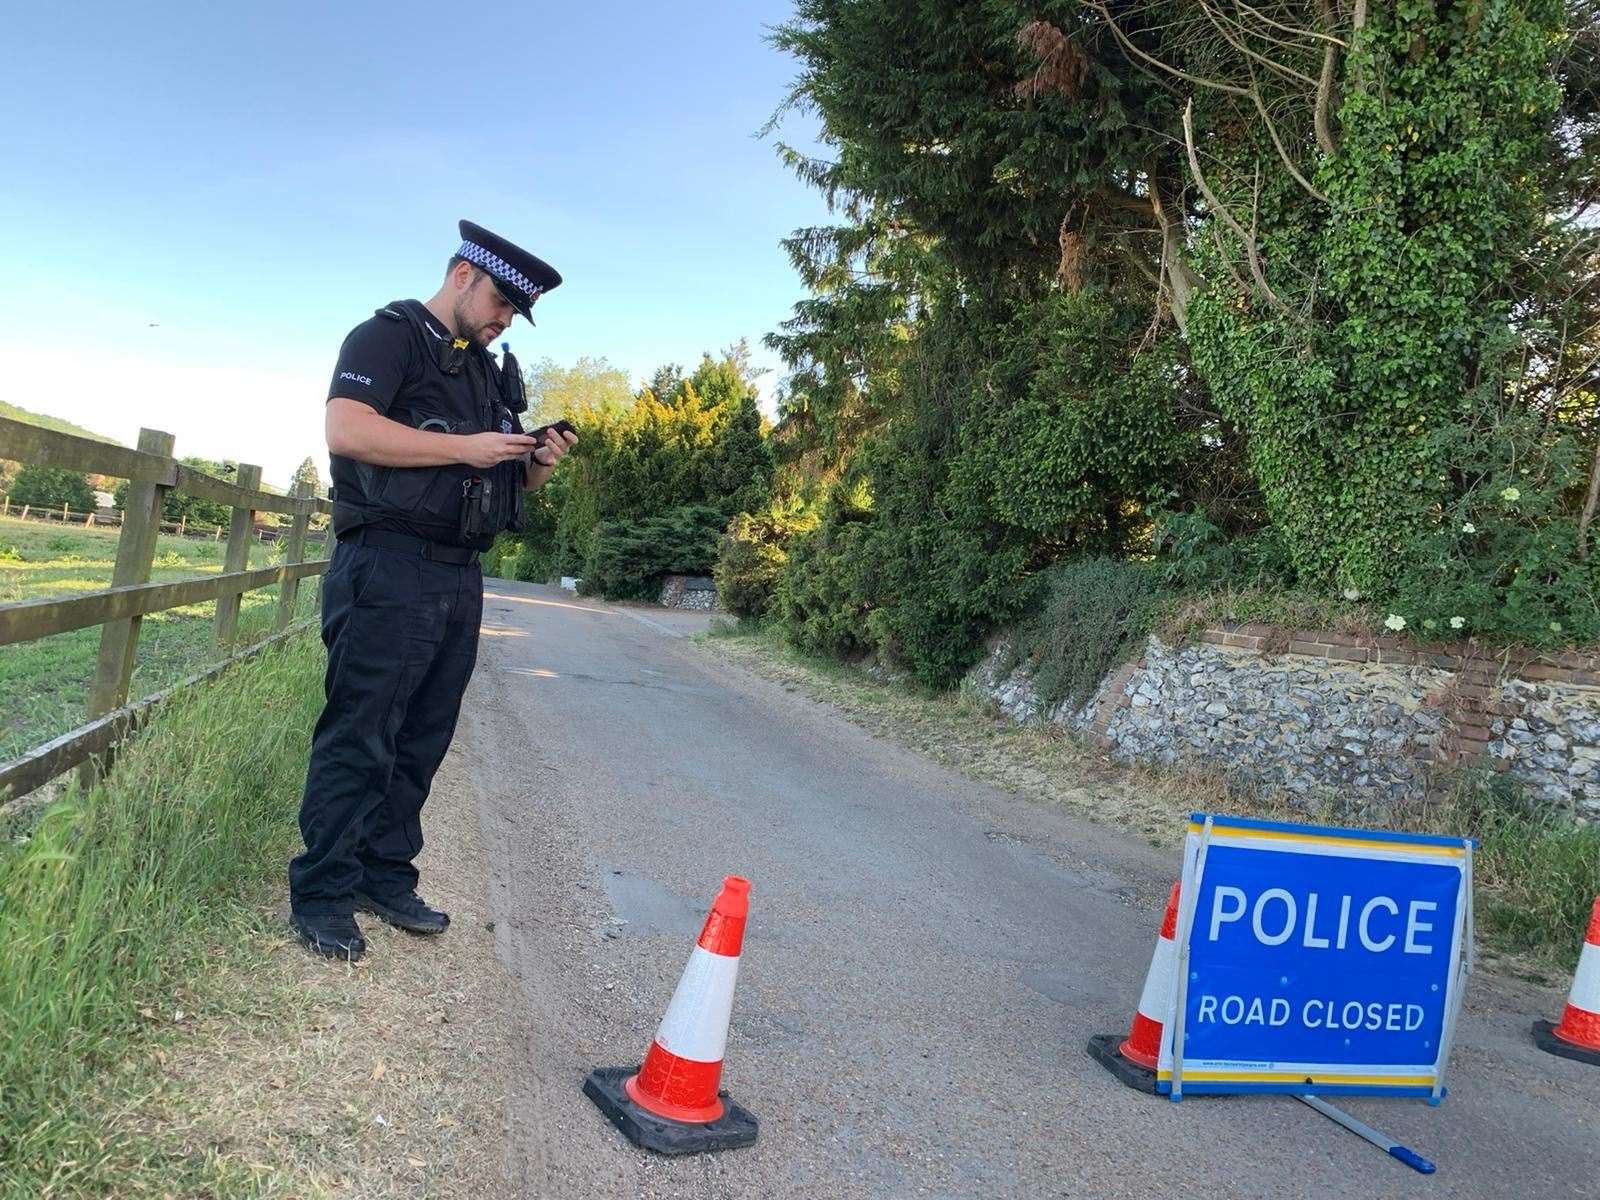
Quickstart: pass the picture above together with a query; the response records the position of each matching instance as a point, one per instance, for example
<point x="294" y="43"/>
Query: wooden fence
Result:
<point x="152" y="472"/>
<point x="111" y="518"/>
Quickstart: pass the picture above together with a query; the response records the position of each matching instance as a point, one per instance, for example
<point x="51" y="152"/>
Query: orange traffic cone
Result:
<point x="1578" y="1035"/>
<point x="672" y="1103"/>
<point x="1133" y="1059"/>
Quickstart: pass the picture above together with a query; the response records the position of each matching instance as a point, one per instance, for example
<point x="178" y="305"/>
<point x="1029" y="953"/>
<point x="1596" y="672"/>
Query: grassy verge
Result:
<point x="106" y="908"/>
<point x="1537" y="873"/>
<point x="47" y="681"/>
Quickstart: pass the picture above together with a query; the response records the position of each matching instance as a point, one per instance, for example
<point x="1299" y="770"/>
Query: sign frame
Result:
<point x="1206" y="830"/>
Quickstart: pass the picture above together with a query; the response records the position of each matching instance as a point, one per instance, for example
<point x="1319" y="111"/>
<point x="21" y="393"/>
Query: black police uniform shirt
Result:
<point x="384" y="364"/>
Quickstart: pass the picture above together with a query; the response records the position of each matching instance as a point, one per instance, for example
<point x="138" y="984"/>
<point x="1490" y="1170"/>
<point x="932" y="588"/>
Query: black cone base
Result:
<point x="1544" y="1037"/>
<point x="1103" y="1049"/>
<point x="733" y="1129"/>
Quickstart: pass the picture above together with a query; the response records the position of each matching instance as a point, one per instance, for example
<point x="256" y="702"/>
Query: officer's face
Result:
<point x="482" y="313"/>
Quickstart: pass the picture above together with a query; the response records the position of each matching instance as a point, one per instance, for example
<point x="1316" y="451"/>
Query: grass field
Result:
<point x="44" y="684"/>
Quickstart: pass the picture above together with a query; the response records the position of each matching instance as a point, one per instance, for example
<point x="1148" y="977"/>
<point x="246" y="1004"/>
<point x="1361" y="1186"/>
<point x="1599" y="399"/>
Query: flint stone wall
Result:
<point x="689" y="591"/>
<point x="1366" y="723"/>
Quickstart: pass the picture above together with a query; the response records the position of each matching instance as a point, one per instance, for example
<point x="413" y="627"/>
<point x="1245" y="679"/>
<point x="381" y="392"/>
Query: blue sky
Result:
<point x="201" y="200"/>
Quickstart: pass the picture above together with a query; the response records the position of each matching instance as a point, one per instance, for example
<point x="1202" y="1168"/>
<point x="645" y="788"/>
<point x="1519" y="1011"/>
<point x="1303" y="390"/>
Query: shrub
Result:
<point x="527" y="565"/>
<point x="751" y="557"/>
<point x="491" y="560"/>
<point x="828" y="586"/>
<point x="1092" y="615"/>
<point x="1502" y="558"/>
<point x="629" y="558"/>
<point x="1192" y="553"/>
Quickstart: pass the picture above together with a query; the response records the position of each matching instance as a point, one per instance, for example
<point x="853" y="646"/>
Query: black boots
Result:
<point x="334" y="936"/>
<point x="409" y="911"/>
<point x="330" y="936"/>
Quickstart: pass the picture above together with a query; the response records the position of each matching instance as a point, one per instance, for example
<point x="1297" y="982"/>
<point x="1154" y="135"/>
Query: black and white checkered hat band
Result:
<point x="499" y="268"/>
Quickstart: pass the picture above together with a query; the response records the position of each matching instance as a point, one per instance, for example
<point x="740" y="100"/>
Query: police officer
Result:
<point x="429" y="462"/>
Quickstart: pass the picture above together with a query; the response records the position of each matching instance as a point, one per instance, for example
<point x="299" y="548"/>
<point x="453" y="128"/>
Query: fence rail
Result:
<point x="111" y="518"/>
<point x="152" y="472"/>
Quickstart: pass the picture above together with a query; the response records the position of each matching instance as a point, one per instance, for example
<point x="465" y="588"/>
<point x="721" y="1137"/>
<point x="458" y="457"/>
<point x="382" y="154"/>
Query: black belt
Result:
<point x="437" y="551"/>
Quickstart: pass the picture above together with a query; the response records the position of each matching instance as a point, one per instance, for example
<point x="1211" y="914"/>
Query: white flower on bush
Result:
<point x="1469" y="527"/>
<point x="1395" y="622"/>
<point x="1457" y="622"/>
<point x="1352" y="594"/>
<point x="1555" y="626"/>
<point x="1511" y="495"/>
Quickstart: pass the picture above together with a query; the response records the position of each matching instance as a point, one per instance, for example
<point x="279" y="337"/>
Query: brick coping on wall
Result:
<point x="1471" y="703"/>
<point x="1536" y="667"/>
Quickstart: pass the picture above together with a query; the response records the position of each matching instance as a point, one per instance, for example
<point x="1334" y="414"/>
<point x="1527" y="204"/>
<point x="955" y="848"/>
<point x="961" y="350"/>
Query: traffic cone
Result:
<point x="1578" y="1035"/>
<point x="672" y="1103"/>
<point x="1133" y="1059"/>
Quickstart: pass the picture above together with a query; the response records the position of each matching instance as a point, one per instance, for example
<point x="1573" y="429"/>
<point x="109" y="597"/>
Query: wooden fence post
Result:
<point x="294" y="553"/>
<point x="6" y="501"/>
<point x="64" y="514"/>
<point x="25" y="508"/>
<point x="183" y="523"/>
<point x="88" y="518"/>
<point x="238" y="556"/>
<point x="136" y="550"/>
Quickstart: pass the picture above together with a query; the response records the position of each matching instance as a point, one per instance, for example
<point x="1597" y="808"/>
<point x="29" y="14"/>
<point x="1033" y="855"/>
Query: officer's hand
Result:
<point x="491" y="449"/>
<point x="554" y="447"/>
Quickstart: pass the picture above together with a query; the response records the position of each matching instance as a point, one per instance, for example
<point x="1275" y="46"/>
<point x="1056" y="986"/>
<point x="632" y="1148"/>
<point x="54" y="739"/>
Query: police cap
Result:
<point x="521" y="277"/>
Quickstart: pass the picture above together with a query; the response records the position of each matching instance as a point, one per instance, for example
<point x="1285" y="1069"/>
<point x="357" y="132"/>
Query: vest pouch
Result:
<point x="507" y="507"/>
<point x="426" y="495"/>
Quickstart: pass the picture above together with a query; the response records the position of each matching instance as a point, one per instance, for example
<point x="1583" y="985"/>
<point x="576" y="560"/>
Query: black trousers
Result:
<point x="402" y="638"/>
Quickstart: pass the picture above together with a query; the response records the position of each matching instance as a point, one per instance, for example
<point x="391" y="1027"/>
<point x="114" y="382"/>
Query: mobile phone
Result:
<point x="562" y="426"/>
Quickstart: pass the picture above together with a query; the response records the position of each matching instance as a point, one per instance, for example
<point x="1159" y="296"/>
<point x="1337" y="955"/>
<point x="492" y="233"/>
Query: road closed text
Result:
<point x="1274" y="1012"/>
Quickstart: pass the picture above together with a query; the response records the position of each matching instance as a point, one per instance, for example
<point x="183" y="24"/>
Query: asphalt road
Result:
<point x="925" y="959"/>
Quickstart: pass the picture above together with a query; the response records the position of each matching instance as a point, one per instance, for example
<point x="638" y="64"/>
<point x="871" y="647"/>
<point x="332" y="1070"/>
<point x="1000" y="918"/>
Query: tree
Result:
<point x="51" y="487"/>
<point x="1302" y="264"/>
<point x="181" y="507"/>
<point x="591" y="385"/>
<point x="306" y="475"/>
<point x="699" y="444"/>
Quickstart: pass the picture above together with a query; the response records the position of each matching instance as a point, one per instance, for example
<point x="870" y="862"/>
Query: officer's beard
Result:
<point x="479" y="335"/>
<point x="483" y="333"/>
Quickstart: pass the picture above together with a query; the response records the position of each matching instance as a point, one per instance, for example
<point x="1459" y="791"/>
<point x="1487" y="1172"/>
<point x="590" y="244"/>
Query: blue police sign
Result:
<point x="1316" y="961"/>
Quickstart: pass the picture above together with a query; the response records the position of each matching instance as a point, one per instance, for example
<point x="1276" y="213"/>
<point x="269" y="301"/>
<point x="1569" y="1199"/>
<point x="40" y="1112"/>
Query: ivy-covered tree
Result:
<point x="1317" y="264"/>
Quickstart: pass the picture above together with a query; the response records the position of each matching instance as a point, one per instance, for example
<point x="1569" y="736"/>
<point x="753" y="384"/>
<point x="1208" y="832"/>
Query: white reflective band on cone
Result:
<point x="696" y="1024"/>
<point x="1156" y="999"/>
<point x="1586" y="983"/>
